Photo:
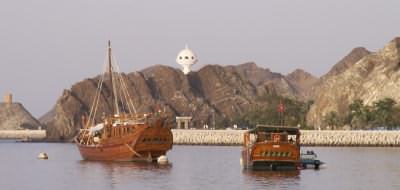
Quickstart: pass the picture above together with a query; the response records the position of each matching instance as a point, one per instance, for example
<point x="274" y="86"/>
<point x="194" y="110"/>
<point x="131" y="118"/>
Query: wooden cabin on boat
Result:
<point x="268" y="147"/>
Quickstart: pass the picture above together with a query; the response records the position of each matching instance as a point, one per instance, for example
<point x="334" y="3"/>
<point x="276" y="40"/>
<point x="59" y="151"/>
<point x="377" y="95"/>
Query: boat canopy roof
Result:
<point x="274" y="129"/>
<point x="96" y="128"/>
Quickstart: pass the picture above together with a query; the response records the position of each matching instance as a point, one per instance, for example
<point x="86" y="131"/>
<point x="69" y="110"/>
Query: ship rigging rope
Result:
<point x="125" y="91"/>
<point x="118" y="94"/>
<point x="122" y="85"/>
<point x="93" y="109"/>
<point x="114" y="86"/>
<point x="117" y="82"/>
<point x="123" y="95"/>
<point x="129" y="97"/>
<point x="98" y="98"/>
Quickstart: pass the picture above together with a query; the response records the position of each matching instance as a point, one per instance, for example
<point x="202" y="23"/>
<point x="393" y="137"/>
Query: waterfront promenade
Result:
<point x="308" y="137"/>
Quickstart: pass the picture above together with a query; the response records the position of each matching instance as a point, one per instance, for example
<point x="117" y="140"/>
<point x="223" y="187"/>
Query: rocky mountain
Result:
<point x="348" y="61"/>
<point x="254" y="74"/>
<point x="303" y="83"/>
<point x="296" y="85"/>
<point x="13" y="116"/>
<point x="345" y="63"/>
<point x="264" y="79"/>
<point x="213" y="92"/>
<point x="360" y="75"/>
<point x="226" y="92"/>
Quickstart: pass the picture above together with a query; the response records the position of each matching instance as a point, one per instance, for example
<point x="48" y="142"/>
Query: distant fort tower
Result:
<point x="8" y="98"/>
<point x="186" y="58"/>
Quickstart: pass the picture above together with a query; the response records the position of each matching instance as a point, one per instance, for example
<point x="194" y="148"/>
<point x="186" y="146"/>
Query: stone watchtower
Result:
<point x="8" y="98"/>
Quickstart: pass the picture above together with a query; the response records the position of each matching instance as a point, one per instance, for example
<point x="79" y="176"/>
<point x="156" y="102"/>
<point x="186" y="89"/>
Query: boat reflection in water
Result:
<point x="116" y="175"/>
<point x="272" y="179"/>
<point x="125" y="165"/>
<point x="271" y="174"/>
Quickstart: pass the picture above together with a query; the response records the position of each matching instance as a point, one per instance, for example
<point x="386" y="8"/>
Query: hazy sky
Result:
<point x="48" y="45"/>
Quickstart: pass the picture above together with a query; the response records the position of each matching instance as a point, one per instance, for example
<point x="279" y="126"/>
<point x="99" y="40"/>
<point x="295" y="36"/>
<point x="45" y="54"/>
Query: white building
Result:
<point x="186" y="58"/>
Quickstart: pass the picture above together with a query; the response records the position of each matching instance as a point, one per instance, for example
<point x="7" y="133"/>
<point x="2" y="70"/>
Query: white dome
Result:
<point x="186" y="58"/>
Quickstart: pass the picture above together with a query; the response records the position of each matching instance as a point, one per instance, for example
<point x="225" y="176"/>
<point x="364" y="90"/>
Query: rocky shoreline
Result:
<point x="308" y="137"/>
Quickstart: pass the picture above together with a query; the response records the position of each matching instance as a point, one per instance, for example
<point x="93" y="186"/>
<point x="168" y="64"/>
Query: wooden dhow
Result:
<point x="269" y="147"/>
<point x="124" y="135"/>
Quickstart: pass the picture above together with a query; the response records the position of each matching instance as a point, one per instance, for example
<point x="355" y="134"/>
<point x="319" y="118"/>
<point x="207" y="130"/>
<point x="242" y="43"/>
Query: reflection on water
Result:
<point x="125" y="166"/>
<point x="274" y="179"/>
<point x="262" y="175"/>
<point x="192" y="168"/>
<point x="112" y="174"/>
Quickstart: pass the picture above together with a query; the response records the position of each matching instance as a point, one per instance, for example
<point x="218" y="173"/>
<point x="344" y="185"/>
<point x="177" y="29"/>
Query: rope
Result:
<point x="134" y="152"/>
<point x="99" y="93"/>
<point x="124" y="93"/>
<point x="124" y="89"/>
<point x="129" y="96"/>
<point x="93" y="109"/>
<point x="120" y="91"/>
<point x="120" y="94"/>
<point x="98" y="99"/>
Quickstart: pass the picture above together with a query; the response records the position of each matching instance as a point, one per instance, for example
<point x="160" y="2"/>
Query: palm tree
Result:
<point x="356" y="108"/>
<point x="357" y="112"/>
<point x="383" y="112"/>
<point x="332" y="120"/>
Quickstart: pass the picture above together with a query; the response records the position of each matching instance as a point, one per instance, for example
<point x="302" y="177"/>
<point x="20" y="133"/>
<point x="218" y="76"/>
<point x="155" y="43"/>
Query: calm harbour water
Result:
<point x="192" y="167"/>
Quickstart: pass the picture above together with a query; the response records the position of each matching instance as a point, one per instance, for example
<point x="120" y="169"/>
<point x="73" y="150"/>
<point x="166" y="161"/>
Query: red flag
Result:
<point x="281" y="107"/>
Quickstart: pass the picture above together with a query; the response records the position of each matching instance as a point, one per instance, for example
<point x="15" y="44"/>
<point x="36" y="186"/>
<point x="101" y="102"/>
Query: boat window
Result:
<point x="276" y="137"/>
<point x="268" y="137"/>
<point x="284" y="137"/>
<point x="261" y="137"/>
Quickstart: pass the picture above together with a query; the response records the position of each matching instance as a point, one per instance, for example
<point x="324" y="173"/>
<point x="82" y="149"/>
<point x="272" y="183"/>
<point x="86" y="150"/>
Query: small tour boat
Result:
<point x="269" y="147"/>
<point x="123" y="135"/>
<point x="309" y="158"/>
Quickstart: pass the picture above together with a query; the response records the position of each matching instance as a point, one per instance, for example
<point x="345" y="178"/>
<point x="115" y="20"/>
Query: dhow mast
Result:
<point x="114" y="109"/>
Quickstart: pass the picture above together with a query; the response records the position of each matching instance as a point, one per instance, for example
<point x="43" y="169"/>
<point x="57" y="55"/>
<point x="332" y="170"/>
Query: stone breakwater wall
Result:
<point x="208" y="137"/>
<point x="23" y="134"/>
<point x="308" y="137"/>
<point x="351" y="138"/>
